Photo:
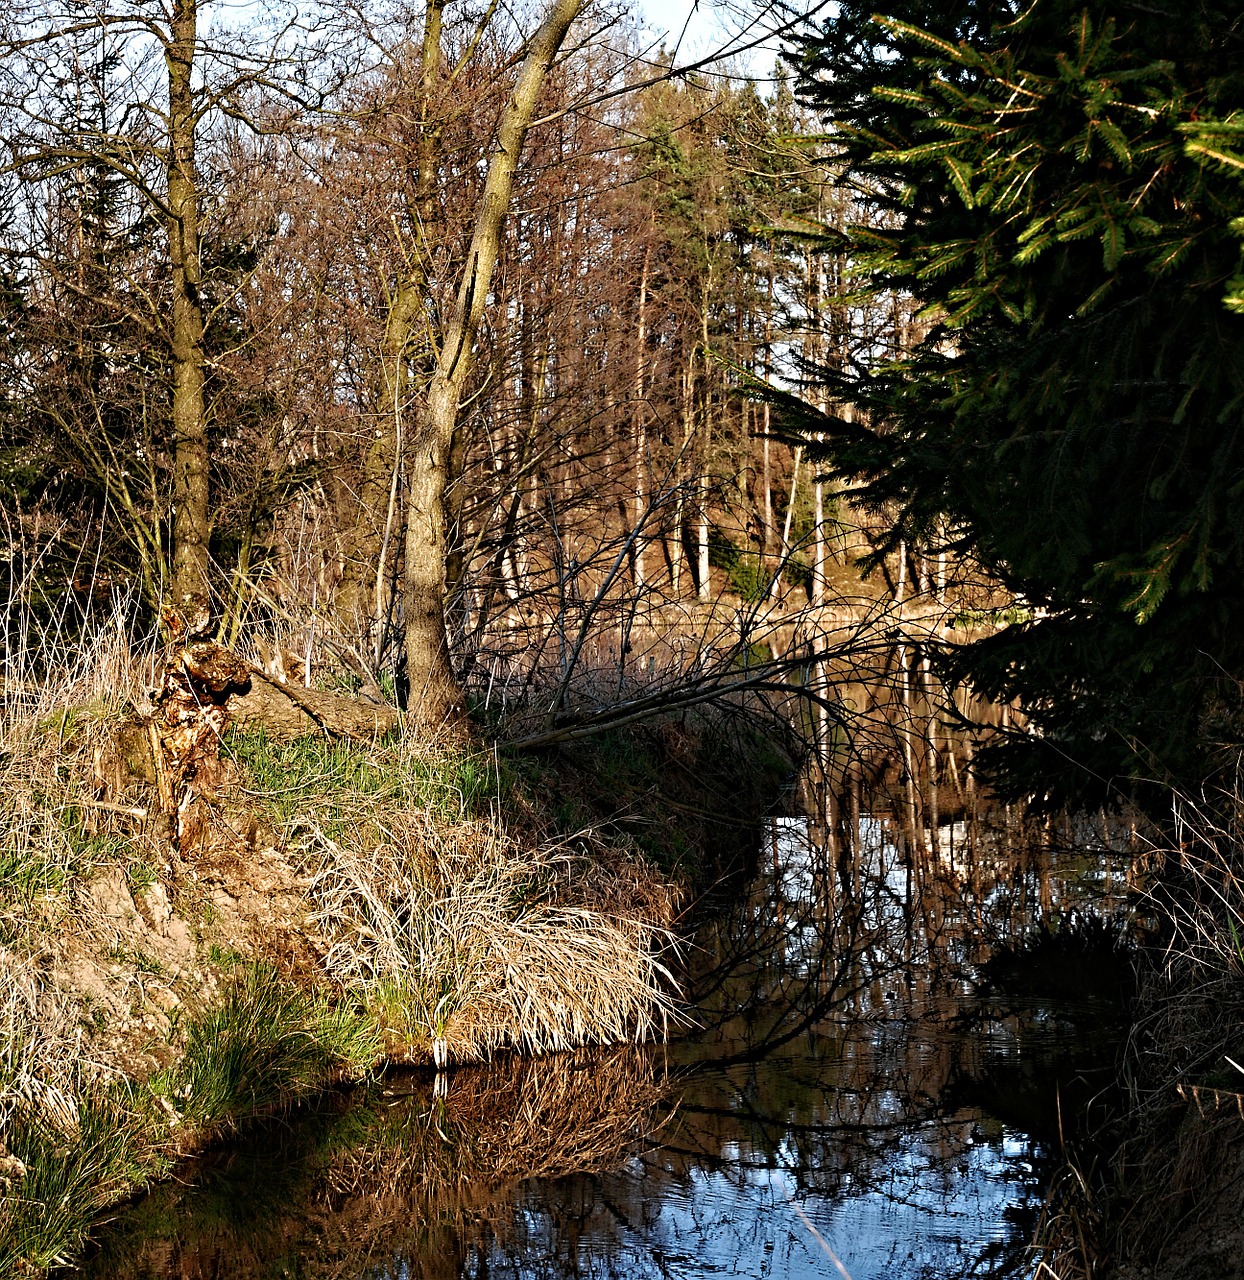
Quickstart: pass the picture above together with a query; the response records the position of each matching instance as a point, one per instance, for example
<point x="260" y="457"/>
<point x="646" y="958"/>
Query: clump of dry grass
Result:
<point x="461" y="937"/>
<point x="38" y="1027"/>
<point x="466" y="942"/>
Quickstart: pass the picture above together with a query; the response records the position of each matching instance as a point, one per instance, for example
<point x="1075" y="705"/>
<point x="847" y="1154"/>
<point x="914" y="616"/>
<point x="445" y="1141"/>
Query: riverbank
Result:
<point x="344" y="906"/>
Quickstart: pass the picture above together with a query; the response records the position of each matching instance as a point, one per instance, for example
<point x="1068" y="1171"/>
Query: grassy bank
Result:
<point x="462" y="921"/>
<point x="349" y="905"/>
<point x="261" y="1047"/>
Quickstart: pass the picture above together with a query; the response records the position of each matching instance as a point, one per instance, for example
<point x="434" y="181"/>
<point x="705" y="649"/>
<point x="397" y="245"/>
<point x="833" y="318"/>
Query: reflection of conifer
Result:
<point x="1061" y="189"/>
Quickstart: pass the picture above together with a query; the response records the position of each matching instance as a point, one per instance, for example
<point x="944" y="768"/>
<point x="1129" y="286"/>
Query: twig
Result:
<point x="125" y="810"/>
<point x="820" y="1239"/>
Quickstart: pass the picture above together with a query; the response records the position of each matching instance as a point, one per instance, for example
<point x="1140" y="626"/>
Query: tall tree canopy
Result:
<point x="1060" y="186"/>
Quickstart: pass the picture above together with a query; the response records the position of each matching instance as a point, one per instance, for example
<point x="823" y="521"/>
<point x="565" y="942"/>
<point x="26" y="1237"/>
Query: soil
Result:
<point x="125" y="955"/>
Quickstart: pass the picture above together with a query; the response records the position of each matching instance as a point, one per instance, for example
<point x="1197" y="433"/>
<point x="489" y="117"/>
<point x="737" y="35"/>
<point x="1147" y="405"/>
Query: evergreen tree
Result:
<point x="1059" y="185"/>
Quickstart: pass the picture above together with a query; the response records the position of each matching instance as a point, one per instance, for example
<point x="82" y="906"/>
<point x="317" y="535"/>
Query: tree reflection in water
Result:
<point x="843" y="1089"/>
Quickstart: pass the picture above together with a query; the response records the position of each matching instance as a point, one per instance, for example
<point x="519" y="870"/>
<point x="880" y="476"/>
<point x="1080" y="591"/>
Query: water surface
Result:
<point x="846" y="1105"/>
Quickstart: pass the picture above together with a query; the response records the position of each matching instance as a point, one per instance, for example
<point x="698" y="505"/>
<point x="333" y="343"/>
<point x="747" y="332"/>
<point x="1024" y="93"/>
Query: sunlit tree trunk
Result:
<point x="641" y="418"/>
<point x="680" y="501"/>
<point x="776" y="590"/>
<point x="360" y="604"/>
<point x="435" y="696"/>
<point x="706" y="450"/>
<point x="191" y="519"/>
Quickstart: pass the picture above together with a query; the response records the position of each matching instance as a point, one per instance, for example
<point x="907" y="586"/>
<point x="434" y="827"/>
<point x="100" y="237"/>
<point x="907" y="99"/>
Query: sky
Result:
<point x="708" y="25"/>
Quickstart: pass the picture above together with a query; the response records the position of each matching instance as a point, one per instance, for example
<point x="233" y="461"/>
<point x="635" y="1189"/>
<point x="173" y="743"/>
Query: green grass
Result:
<point x="140" y="875"/>
<point x="70" y="1177"/>
<point x="339" y="777"/>
<point x="141" y="960"/>
<point x="25" y="876"/>
<point x="225" y="957"/>
<point x="67" y="722"/>
<point x="41" y="852"/>
<point x="265" y="1045"/>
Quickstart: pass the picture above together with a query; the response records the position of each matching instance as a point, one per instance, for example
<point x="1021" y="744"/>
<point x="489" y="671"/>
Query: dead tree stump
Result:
<point x="202" y="688"/>
<point x="187" y="723"/>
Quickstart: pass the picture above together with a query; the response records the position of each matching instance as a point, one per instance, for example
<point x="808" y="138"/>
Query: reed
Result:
<point x="1166" y="1171"/>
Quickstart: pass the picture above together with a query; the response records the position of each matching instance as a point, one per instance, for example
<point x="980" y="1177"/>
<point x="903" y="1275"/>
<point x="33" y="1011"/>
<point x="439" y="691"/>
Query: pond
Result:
<point x="845" y="1105"/>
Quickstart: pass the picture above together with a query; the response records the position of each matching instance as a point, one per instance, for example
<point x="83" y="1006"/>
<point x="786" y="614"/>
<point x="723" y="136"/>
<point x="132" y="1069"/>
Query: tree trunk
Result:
<point x="684" y="453"/>
<point x="775" y="591"/>
<point x="640" y="420"/>
<point x="360" y="604"/>
<point x="435" y="696"/>
<point x="705" y="583"/>
<point x="191" y="521"/>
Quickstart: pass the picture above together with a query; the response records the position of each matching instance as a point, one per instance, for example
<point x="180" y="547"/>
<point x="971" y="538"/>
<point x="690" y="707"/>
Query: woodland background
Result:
<point x="611" y="474"/>
<point x="957" y="291"/>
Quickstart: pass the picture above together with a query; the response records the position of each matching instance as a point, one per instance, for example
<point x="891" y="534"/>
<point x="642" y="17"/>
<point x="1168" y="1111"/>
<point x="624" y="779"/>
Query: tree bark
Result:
<point x="705" y="576"/>
<point x="435" y="695"/>
<point x="286" y="711"/>
<point x="639" y="419"/>
<point x="191" y="519"/>
<point x="360" y="604"/>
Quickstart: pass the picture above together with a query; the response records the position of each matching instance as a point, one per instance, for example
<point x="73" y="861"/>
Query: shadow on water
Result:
<point x="848" y="1104"/>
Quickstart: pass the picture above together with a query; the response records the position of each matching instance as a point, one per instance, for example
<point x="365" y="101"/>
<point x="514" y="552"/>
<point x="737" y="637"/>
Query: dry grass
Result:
<point x="461" y="936"/>
<point x="465" y="943"/>
<point x="59" y="707"/>
<point x="39" y="1071"/>
<point x="58" y="714"/>
<point x="455" y="937"/>
<point x="1168" y="1197"/>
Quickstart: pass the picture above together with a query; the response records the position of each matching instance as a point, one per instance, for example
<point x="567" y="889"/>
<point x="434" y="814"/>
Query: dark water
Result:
<point x="846" y="1106"/>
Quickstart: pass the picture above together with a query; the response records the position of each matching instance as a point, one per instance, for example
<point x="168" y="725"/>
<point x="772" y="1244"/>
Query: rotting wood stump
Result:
<point x="202" y="688"/>
<point x="188" y="719"/>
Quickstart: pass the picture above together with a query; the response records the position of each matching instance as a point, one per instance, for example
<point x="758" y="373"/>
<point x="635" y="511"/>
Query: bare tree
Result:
<point x="432" y="680"/>
<point x="163" y="82"/>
